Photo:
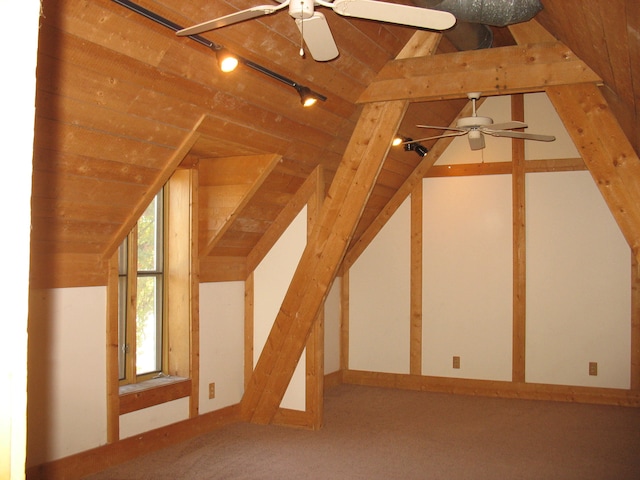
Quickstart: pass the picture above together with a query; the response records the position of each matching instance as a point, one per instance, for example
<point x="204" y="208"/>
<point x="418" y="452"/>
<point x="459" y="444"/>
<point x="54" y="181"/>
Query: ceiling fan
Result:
<point x="313" y="25"/>
<point x="476" y="127"/>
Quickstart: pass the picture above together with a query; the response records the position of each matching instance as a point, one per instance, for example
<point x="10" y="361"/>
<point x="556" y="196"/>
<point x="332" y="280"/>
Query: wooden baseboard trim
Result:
<point x="498" y="389"/>
<point x="100" y="458"/>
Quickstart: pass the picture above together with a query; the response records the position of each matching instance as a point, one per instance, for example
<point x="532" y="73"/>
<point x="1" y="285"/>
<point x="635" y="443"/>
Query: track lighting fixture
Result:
<point x="226" y="60"/>
<point x="411" y="146"/>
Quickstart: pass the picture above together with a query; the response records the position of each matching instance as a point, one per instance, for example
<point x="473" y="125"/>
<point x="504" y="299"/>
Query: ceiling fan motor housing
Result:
<point x="301" y="9"/>
<point x="470" y="122"/>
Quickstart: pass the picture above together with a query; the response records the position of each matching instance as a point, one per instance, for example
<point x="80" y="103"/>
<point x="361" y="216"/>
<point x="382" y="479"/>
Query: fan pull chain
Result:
<point x="302" y="33"/>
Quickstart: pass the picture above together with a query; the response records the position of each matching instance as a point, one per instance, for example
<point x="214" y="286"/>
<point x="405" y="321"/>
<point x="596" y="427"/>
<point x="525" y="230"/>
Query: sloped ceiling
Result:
<point x="121" y="101"/>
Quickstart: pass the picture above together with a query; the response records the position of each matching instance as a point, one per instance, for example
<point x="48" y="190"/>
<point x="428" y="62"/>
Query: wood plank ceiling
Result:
<point x="119" y="96"/>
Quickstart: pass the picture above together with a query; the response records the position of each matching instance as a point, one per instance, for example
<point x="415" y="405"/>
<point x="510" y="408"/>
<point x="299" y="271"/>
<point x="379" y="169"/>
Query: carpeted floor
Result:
<point x="374" y="433"/>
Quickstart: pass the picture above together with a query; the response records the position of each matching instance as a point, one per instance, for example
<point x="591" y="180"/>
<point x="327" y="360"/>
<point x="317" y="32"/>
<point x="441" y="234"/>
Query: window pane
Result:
<point x="149" y="237"/>
<point x="148" y="325"/>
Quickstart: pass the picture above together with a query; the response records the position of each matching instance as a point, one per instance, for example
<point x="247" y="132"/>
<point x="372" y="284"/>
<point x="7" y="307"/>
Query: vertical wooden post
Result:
<point x="113" y="385"/>
<point x="415" y="348"/>
<point x="519" y="246"/>
<point x="315" y="344"/>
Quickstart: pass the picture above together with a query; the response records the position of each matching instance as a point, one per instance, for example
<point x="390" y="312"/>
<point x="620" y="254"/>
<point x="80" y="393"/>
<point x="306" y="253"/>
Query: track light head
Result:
<point x="227" y="61"/>
<point x="411" y="146"/>
<point x="307" y="96"/>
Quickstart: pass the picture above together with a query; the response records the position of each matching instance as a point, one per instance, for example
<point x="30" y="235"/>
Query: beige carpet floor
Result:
<point x="375" y="433"/>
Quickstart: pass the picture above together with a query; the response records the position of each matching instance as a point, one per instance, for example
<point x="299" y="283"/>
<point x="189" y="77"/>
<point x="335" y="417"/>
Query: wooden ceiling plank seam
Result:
<point x="64" y="163"/>
<point x="267" y="162"/>
<point x="607" y="153"/>
<point x="320" y="259"/>
<point x="112" y="122"/>
<point x="501" y="71"/>
<point x="170" y="166"/>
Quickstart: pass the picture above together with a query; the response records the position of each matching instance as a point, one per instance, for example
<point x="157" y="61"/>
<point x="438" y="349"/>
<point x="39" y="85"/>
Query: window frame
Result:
<point x="128" y="278"/>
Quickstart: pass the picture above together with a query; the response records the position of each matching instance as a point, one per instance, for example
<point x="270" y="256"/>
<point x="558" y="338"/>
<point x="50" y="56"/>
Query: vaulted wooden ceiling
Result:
<point x="121" y="102"/>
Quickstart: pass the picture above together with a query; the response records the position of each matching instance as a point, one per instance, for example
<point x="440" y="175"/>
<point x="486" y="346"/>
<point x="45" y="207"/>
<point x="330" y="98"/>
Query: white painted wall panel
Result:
<point x="67" y="403"/>
<point x="467" y="276"/>
<point x="578" y="284"/>
<point x="271" y="281"/>
<point x="379" y="299"/>
<point x="154" y="417"/>
<point x="221" y="344"/>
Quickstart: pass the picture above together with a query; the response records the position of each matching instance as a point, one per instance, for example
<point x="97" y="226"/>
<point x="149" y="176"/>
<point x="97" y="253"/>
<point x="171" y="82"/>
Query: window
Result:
<point x="141" y="331"/>
<point x="152" y="325"/>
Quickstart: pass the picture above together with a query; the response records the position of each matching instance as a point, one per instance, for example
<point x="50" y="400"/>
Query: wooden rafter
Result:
<point x="606" y="151"/>
<point x="500" y="71"/>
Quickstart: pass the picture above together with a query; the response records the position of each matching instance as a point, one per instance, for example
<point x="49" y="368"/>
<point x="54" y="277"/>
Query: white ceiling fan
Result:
<point x="476" y="126"/>
<point x="314" y="27"/>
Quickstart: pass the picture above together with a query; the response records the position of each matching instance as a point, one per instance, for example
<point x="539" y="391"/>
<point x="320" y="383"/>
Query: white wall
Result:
<point x="379" y="299"/>
<point x="67" y="400"/>
<point x="578" y="284"/>
<point x="467" y="277"/>
<point x="271" y="281"/>
<point x="221" y="344"/>
<point x="578" y="272"/>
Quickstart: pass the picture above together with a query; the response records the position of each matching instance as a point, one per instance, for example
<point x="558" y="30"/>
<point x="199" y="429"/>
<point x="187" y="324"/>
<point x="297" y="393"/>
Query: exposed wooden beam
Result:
<point x="401" y="194"/>
<point x="606" y="151"/>
<point x="499" y="71"/>
<point x="518" y="357"/>
<point x="318" y="266"/>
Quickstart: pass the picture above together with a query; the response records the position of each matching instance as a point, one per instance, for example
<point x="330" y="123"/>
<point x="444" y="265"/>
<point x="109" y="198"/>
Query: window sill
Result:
<point x="153" y="392"/>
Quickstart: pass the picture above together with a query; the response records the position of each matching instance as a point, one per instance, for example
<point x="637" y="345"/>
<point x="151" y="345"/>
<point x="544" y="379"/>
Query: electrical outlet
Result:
<point x="456" y="362"/>
<point x="212" y="390"/>
<point x="593" y="368"/>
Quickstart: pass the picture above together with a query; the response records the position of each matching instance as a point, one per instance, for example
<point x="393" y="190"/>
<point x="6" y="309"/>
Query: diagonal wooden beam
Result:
<point x="326" y="246"/>
<point x="606" y="151"/>
<point x="349" y="191"/>
<point x="499" y="71"/>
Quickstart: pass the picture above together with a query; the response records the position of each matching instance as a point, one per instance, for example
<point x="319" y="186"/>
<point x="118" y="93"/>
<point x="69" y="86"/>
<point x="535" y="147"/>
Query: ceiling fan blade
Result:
<point x="507" y="125"/>
<point x="230" y="19"/>
<point x="444" y="135"/>
<point x="455" y="129"/>
<point x="394" y="13"/>
<point x="476" y="140"/>
<point x="523" y="135"/>
<point x="318" y="38"/>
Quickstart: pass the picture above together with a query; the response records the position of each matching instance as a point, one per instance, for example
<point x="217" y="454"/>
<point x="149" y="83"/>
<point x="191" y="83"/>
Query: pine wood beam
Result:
<point x="499" y="71"/>
<point x="519" y="246"/>
<point x="606" y="151"/>
<point x="351" y="187"/>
